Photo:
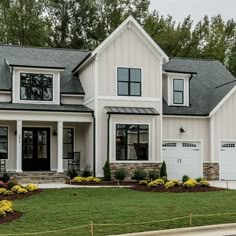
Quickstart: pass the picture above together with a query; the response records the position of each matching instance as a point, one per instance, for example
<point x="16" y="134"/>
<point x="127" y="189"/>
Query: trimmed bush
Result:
<point x="143" y="182"/>
<point x="80" y="179"/>
<point x="156" y="183"/>
<point x="163" y="171"/>
<point x="139" y="174"/>
<point x="185" y="178"/>
<point x="120" y="174"/>
<point x="153" y="174"/>
<point x="31" y="187"/>
<point x="87" y="172"/>
<point x="190" y="183"/>
<point x="107" y="171"/>
<point x="199" y="179"/>
<point x="204" y="183"/>
<point x="5" y="207"/>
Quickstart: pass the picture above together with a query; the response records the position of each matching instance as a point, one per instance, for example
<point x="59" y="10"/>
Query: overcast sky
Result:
<point x="179" y="9"/>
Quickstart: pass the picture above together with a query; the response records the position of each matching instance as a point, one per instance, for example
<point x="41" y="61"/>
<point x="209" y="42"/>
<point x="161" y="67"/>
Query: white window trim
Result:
<point x="112" y="158"/>
<point x="8" y="133"/>
<point x="55" y="83"/>
<point x="123" y="97"/>
<point x="170" y="83"/>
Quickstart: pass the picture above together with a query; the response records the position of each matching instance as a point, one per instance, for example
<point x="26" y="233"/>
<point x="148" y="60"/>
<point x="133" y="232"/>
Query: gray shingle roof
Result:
<point x="45" y="107"/>
<point x="67" y="58"/>
<point x="204" y="91"/>
<point x="131" y="110"/>
<point x="26" y="62"/>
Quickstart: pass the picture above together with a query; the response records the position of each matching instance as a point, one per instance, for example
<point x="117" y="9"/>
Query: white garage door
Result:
<point x="228" y="160"/>
<point x="182" y="158"/>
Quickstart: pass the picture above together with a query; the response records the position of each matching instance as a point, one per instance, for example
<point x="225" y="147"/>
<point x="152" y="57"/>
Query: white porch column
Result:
<point x="59" y="146"/>
<point x="19" y="146"/>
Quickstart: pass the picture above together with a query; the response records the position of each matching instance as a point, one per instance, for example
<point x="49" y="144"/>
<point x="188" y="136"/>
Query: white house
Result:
<point x="125" y="102"/>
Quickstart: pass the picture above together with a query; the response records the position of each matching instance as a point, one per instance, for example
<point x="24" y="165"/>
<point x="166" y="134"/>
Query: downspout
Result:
<point x="94" y="144"/>
<point x="108" y="136"/>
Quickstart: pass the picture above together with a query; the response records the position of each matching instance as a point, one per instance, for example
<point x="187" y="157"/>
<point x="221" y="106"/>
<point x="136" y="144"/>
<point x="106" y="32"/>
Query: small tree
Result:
<point x="107" y="171"/>
<point x="163" y="170"/>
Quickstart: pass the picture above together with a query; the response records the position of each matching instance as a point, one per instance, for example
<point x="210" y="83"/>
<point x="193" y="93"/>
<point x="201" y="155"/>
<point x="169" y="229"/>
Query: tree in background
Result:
<point x="22" y="23"/>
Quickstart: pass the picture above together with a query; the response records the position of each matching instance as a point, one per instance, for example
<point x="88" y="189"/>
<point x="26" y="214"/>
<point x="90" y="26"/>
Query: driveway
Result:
<point x="223" y="184"/>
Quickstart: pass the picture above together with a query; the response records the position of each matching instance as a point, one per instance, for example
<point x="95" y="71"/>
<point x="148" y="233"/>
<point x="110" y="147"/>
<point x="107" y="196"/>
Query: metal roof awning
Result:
<point x="132" y="111"/>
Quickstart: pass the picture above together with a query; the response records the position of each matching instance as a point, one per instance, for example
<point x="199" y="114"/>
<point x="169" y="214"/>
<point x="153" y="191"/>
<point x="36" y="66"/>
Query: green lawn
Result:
<point x="64" y="208"/>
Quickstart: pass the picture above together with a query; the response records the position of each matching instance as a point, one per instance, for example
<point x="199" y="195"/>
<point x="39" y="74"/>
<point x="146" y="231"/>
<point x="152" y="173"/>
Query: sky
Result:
<point x="179" y="9"/>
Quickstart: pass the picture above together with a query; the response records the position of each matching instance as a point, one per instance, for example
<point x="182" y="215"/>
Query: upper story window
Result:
<point x="36" y="86"/>
<point x="178" y="91"/>
<point x="129" y="82"/>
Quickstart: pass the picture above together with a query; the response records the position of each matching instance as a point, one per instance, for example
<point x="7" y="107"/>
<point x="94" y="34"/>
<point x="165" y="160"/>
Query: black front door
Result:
<point x="36" y="149"/>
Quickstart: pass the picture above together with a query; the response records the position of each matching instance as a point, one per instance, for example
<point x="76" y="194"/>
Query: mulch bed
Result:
<point x="20" y="195"/>
<point x="10" y="217"/>
<point x="176" y="189"/>
<point x="108" y="183"/>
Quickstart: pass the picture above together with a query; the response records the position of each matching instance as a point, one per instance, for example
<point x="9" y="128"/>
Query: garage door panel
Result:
<point x="182" y="158"/>
<point x="228" y="160"/>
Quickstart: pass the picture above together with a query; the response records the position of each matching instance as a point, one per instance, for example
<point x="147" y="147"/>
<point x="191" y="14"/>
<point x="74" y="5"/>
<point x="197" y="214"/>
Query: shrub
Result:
<point x="120" y="174"/>
<point x="2" y="185"/>
<point x="2" y="190"/>
<point x="8" y="193"/>
<point x="19" y="189"/>
<point x="185" y="178"/>
<point x="190" y="183"/>
<point x="199" y="179"/>
<point x="71" y="173"/>
<point x="172" y="183"/>
<point x="163" y="171"/>
<point x="5" y="178"/>
<point x="164" y="178"/>
<point x="143" y="182"/>
<point x="169" y="184"/>
<point x="139" y="174"/>
<point x="204" y="183"/>
<point x="156" y="182"/>
<point x="86" y="172"/>
<point x="5" y="207"/>
<point x="10" y="185"/>
<point x="107" y="171"/>
<point x="80" y="179"/>
<point x="153" y="174"/>
<point x="31" y="187"/>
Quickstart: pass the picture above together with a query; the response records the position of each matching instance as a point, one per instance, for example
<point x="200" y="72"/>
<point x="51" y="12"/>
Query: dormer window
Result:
<point x="178" y="91"/>
<point x="36" y="87"/>
<point x="129" y="82"/>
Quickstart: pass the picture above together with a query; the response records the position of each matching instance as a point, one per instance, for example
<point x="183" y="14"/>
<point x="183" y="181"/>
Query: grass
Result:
<point x="65" y="208"/>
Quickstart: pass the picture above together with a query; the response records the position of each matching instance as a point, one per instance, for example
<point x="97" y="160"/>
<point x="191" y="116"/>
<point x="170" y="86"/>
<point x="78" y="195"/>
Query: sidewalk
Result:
<point x="212" y="230"/>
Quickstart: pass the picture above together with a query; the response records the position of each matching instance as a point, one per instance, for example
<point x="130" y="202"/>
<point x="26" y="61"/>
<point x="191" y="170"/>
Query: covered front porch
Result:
<point x="45" y="141"/>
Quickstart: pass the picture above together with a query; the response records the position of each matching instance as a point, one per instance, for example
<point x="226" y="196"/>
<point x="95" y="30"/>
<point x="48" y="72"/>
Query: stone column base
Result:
<point x="211" y="171"/>
<point x="130" y="167"/>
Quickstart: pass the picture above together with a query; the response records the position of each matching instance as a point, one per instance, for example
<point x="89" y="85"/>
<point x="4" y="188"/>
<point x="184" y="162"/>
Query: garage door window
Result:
<point x="132" y="142"/>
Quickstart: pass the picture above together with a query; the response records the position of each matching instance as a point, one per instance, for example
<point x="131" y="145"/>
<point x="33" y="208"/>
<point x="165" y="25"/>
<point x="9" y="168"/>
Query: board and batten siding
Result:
<point x="196" y="129"/>
<point x="87" y="79"/>
<point x="224" y="125"/>
<point x="154" y="130"/>
<point x="128" y="50"/>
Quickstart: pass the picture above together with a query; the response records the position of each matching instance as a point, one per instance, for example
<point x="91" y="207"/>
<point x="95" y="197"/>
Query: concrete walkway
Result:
<point x="220" y="184"/>
<point x="212" y="230"/>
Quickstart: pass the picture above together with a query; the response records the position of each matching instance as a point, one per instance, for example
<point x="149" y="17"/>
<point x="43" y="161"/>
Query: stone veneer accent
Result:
<point x="130" y="167"/>
<point x="211" y="171"/>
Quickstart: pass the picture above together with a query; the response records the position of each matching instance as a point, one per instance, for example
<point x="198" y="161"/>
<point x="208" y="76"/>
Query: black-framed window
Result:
<point x="37" y="87"/>
<point x="132" y="142"/>
<point x="3" y="142"/>
<point x="178" y="91"/>
<point x="68" y="142"/>
<point x="129" y="81"/>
